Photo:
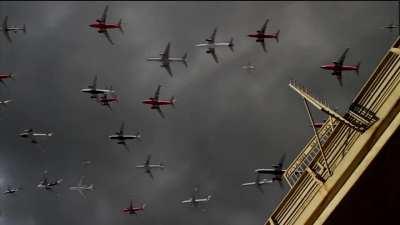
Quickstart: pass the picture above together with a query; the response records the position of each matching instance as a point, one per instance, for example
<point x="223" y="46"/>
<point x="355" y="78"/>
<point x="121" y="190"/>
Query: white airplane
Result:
<point x="211" y="45"/>
<point x="94" y="91"/>
<point x="121" y="137"/>
<point x="5" y="102"/>
<point x="31" y="134"/>
<point x="276" y="170"/>
<point x="46" y="185"/>
<point x="147" y="166"/>
<point x="258" y="183"/>
<point x="6" y="28"/>
<point x="11" y="190"/>
<point x="249" y="67"/>
<point x="81" y="187"/>
<point x="196" y="201"/>
<point x="166" y="60"/>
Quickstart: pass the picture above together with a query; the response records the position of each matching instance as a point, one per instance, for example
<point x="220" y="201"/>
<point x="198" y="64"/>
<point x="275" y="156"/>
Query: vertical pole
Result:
<point x="398" y="16"/>
<point x="316" y="135"/>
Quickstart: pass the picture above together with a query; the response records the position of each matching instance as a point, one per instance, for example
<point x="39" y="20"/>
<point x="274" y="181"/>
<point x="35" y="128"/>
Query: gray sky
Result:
<point x="226" y="122"/>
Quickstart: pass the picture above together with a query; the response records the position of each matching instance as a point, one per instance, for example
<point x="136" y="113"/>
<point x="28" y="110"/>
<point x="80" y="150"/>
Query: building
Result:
<point x="353" y="180"/>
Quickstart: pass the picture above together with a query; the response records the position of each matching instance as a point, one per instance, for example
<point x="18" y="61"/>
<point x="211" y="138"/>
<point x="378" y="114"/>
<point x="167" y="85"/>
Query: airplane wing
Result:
<point x="7" y="35"/>
<point x="259" y="187"/>
<point x="81" y="181"/>
<point x="341" y="59"/>
<point x="108" y="36"/>
<point x="121" y="129"/>
<point x="150" y="174"/>
<point x="282" y="160"/>
<point x="81" y="192"/>
<point x="339" y="78"/>
<point x="212" y="37"/>
<point x="157" y="94"/>
<point x="165" y="55"/>
<point x="125" y="146"/>
<point x="264" y="27"/>
<point x="212" y="52"/>
<point x="104" y="16"/>
<point x="168" y="68"/>
<point x="94" y="84"/>
<point x="109" y="106"/>
<point x="4" y="83"/>
<point x="248" y="184"/>
<point x="262" y="42"/>
<point x="148" y="159"/>
<point x="33" y="139"/>
<point x="160" y="112"/>
<point x="5" y="29"/>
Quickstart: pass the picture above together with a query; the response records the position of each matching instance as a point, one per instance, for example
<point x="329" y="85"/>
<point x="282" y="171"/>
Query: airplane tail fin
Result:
<point x="162" y="166"/>
<point x="120" y="26"/>
<point x="231" y="44"/>
<point x="277" y="36"/>
<point x="59" y="181"/>
<point x="24" y="29"/>
<point x="91" y="187"/>
<point x="172" y="101"/>
<point x="49" y="134"/>
<point x="143" y="205"/>
<point x="12" y="76"/>
<point x="139" y="136"/>
<point x="209" y="197"/>
<point x="358" y="68"/>
<point x="184" y="61"/>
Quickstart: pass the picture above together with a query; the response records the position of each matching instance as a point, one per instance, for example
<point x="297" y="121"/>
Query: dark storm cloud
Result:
<point x="226" y="122"/>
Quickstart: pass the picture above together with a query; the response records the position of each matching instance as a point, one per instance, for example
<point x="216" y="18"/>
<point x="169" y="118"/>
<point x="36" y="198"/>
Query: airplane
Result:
<point x="261" y="35"/>
<point x="166" y="60"/>
<point x="249" y="67"/>
<point x="105" y="101"/>
<point x="6" y="29"/>
<point x="337" y="67"/>
<point x="156" y="103"/>
<point x="86" y="162"/>
<point x="94" y="91"/>
<point x="391" y="27"/>
<point x="258" y="183"/>
<point x="30" y="133"/>
<point x="46" y="185"/>
<point x="132" y="210"/>
<point x="102" y="25"/>
<point x="147" y="166"/>
<point x="4" y="76"/>
<point x="121" y="137"/>
<point x="277" y="170"/>
<point x="211" y="45"/>
<point x="193" y="201"/>
<point x="81" y="187"/>
<point x="5" y="102"/>
<point x="11" y="190"/>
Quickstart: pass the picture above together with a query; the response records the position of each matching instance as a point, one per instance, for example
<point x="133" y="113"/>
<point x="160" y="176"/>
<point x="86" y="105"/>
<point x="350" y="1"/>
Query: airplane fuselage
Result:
<point x="5" y="76"/>
<point x="271" y="171"/>
<point x="213" y="45"/>
<point x="337" y="68"/>
<point x="154" y="102"/>
<point x="261" y="35"/>
<point x="96" y="91"/>
<point x="123" y="137"/>
<point x="103" y="26"/>
<point x="26" y="134"/>
<point x="82" y="188"/>
<point x="159" y="59"/>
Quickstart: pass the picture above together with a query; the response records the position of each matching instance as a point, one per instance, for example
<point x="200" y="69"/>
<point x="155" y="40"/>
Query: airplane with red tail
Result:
<point x="4" y="76"/>
<point x="102" y="25"/>
<point x="261" y="35"/>
<point x="337" y="67"/>
<point x="133" y="210"/>
<point x="105" y="100"/>
<point x="155" y="101"/>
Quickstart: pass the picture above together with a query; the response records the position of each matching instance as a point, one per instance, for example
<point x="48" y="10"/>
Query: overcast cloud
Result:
<point x="226" y="122"/>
